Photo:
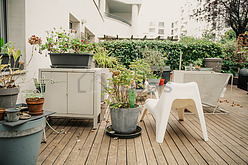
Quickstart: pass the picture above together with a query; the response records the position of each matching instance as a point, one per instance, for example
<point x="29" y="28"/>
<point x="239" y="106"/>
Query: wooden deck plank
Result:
<point x="79" y="145"/>
<point x="139" y="150"/>
<point x="218" y="141"/>
<point x="131" y="155"/>
<point x="113" y="148"/>
<point x="66" y="151"/>
<point x="50" y="146"/>
<point x="85" y="150"/>
<point x="122" y="152"/>
<point x="156" y="147"/>
<point x="60" y="146"/>
<point x="211" y="144"/>
<point x="150" y="157"/>
<point x="96" y="145"/>
<point x="183" y="141"/>
<point x="207" y="152"/>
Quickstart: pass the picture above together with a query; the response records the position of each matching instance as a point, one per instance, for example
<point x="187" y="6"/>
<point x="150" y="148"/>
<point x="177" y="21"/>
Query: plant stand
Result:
<point x="20" y="141"/>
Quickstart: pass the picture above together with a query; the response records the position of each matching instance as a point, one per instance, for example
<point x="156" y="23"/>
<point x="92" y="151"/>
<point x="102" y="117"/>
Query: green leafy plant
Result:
<point x="61" y="41"/>
<point x="121" y="87"/>
<point x="7" y="75"/>
<point x="103" y="59"/>
<point x="141" y="69"/>
<point x="155" y="59"/>
<point x="198" y="62"/>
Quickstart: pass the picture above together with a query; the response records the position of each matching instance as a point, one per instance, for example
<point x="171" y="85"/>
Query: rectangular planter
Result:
<point x="71" y="60"/>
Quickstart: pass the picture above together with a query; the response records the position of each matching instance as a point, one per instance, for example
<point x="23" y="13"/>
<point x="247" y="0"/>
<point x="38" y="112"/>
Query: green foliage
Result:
<point x="103" y="59"/>
<point x="192" y="49"/>
<point x="60" y="41"/>
<point x="7" y="75"/>
<point x="230" y="35"/>
<point x="122" y="82"/>
<point x="235" y="54"/>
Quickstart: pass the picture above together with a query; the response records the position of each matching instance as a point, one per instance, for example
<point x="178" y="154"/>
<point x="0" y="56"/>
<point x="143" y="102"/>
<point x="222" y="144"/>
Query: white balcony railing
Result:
<point x="117" y="18"/>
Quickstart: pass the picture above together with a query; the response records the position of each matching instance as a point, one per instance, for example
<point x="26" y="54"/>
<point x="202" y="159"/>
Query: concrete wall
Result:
<point x="35" y="17"/>
<point x="113" y="27"/>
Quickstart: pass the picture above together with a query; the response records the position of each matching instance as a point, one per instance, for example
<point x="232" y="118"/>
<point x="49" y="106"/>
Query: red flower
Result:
<point x="82" y="40"/>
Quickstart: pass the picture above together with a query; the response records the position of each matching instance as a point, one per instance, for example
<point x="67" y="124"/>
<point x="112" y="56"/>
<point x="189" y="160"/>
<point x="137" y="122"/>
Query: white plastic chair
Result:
<point x="179" y="96"/>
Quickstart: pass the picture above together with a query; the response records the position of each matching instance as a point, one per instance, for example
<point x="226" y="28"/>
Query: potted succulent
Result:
<point x="8" y="90"/>
<point x="121" y="90"/>
<point x="66" y="51"/>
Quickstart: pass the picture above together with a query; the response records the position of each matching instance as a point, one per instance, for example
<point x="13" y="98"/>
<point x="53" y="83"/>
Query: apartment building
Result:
<point x="154" y="29"/>
<point x="191" y="24"/>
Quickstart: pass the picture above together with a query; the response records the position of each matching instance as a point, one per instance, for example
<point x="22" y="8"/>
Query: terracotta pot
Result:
<point x="35" y="105"/>
<point x="2" y="111"/>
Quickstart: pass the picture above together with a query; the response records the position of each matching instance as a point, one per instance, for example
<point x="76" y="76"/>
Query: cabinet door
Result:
<point x="80" y="93"/>
<point x="56" y="90"/>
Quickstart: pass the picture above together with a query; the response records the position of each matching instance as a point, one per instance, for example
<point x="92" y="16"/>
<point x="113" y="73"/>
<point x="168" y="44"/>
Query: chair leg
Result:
<point x="202" y="120"/>
<point x="161" y="124"/>
<point x="143" y="113"/>
<point x="180" y="112"/>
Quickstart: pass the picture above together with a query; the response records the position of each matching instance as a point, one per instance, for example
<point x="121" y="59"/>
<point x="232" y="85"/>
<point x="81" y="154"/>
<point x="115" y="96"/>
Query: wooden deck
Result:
<point x="183" y="143"/>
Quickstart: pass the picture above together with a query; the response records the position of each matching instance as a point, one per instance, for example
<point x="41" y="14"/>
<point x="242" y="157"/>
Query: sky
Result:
<point x="168" y="9"/>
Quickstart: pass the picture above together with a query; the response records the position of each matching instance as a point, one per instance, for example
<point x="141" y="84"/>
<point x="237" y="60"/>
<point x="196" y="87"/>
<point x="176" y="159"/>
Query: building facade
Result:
<point x="20" y="19"/>
<point x="191" y="24"/>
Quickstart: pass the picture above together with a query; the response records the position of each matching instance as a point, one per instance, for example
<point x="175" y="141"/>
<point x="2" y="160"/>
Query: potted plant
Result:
<point x="8" y="90"/>
<point x="198" y="63"/>
<point x="121" y="89"/>
<point x="35" y="102"/>
<point x="142" y="69"/>
<point x="6" y="58"/>
<point x="103" y="60"/>
<point x="157" y="62"/>
<point x="66" y="51"/>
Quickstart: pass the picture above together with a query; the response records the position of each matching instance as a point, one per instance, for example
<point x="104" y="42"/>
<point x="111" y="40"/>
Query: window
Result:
<point x="172" y="25"/>
<point x="171" y="32"/>
<point x="151" y="29"/>
<point x="3" y="20"/>
<point x="151" y="24"/>
<point x="161" y="24"/>
<point x="160" y="31"/>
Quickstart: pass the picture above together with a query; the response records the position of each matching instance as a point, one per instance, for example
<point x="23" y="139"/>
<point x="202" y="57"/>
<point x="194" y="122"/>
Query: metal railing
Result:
<point x="117" y="18"/>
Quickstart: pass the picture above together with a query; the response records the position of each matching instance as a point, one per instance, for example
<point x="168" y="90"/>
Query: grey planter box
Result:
<point x="71" y="60"/>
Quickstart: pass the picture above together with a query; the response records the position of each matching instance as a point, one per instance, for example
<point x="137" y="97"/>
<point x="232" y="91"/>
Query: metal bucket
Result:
<point x="20" y="144"/>
<point x="124" y="120"/>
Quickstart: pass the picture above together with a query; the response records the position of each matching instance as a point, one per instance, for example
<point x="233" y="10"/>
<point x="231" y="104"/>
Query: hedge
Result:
<point x="128" y="50"/>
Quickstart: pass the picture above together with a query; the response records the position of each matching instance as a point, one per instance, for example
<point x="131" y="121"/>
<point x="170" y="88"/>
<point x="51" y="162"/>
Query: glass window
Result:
<point x="160" y="31"/>
<point x="3" y="20"/>
<point x="161" y="24"/>
<point x="151" y="24"/>
<point x="151" y="29"/>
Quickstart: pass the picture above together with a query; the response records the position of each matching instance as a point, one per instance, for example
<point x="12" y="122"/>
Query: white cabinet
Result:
<point x="73" y="92"/>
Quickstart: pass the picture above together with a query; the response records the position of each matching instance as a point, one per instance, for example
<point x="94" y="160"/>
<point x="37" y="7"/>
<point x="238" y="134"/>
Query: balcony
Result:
<point x="117" y="18"/>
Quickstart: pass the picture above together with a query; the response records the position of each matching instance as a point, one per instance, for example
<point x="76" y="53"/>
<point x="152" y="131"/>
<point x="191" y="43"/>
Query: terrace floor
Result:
<point x="183" y="143"/>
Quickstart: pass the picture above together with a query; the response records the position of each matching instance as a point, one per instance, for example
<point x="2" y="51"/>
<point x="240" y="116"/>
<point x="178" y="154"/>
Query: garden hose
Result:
<point x="61" y="132"/>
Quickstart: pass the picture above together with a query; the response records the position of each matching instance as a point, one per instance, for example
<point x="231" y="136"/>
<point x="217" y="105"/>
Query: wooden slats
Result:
<point x="183" y="141"/>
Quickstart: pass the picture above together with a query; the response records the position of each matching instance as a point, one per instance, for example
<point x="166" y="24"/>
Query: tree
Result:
<point x="233" y="13"/>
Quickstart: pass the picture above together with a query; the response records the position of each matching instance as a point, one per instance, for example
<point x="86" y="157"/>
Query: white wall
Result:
<point x="113" y="27"/>
<point x="42" y="15"/>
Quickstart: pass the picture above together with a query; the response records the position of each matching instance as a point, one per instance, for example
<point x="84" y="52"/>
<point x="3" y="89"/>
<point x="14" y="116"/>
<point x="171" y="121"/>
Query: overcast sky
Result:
<point x="159" y="10"/>
<point x="168" y="9"/>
